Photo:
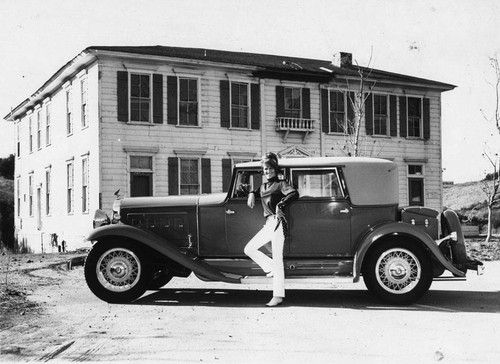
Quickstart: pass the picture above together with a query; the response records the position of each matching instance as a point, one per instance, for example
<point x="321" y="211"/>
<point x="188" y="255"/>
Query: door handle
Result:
<point x="344" y="211"/>
<point x="230" y="212"/>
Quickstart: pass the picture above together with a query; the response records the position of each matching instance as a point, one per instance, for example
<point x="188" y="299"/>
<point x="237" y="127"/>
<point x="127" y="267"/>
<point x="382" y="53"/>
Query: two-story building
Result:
<point x="171" y="121"/>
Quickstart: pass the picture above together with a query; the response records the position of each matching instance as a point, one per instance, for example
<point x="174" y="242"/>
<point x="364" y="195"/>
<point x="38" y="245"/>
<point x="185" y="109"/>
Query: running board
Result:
<point x="299" y="280"/>
<point x="449" y="278"/>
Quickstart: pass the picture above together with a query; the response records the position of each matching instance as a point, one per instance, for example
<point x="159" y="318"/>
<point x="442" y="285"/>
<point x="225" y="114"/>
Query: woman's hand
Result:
<point x="251" y="200"/>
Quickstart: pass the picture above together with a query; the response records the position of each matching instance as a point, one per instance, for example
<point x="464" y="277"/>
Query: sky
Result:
<point x="443" y="40"/>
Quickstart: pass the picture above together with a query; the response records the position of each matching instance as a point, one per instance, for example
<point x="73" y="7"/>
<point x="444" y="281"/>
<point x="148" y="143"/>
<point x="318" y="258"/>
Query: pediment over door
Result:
<point x="295" y="151"/>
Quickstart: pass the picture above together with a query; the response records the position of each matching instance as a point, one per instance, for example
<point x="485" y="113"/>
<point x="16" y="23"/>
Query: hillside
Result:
<point x="6" y="190"/>
<point x="469" y="201"/>
<point x="463" y="195"/>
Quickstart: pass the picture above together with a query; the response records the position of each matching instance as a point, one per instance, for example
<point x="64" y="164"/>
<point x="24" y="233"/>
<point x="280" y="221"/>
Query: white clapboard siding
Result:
<point x="108" y="142"/>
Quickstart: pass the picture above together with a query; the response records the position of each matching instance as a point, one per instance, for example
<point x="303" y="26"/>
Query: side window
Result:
<point x="249" y="179"/>
<point x="317" y="183"/>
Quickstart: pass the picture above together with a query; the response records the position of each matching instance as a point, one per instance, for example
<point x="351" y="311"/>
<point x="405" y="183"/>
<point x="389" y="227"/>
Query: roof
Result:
<point x="265" y="66"/>
<point x="370" y="181"/>
<point x="268" y="62"/>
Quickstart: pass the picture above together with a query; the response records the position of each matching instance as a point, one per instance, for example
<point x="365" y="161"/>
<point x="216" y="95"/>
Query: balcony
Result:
<point x="287" y="125"/>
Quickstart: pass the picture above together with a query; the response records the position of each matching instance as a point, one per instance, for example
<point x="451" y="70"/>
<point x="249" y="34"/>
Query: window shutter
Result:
<point x="350" y="112"/>
<point x="173" y="176"/>
<point x="158" y="99"/>
<point x="206" y="176"/>
<point x="325" y="111"/>
<point x="225" y="104"/>
<point x="255" y="100"/>
<point x="427" y="119"/>
<point x="226" y="174"/>
<point x="393" y="115"/>
<point x="280" y="101"/>
<point x="306" y="103"/>
<point x="369" y="115"/>
<point x="122" y="95"/>
<point x="172" y="100"/>
<point x="402" y="116"/>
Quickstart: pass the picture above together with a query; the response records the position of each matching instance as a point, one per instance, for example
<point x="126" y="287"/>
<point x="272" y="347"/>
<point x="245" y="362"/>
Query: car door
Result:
<point x="320" y="220"/>
<point x="242" y="222"/>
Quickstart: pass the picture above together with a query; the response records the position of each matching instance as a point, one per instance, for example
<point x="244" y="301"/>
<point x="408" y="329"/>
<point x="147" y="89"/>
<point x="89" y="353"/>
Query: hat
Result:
<point x="270" y="159"/>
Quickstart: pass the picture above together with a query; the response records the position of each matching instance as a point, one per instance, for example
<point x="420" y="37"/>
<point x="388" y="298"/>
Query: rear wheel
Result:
<point x="117" y="272"/>
<point x="398" y="272"/>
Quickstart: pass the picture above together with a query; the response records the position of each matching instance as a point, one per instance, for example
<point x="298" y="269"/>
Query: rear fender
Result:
<point x="162" y="246"/>
<point x="402" y="229"/>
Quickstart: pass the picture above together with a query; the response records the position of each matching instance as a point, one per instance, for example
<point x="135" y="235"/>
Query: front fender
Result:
<point x="162" y="246"/>
<point x="404" y="229"/>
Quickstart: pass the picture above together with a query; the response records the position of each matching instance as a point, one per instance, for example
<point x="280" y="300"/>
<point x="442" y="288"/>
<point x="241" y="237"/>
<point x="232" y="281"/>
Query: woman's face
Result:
<point x="269" y="172"/>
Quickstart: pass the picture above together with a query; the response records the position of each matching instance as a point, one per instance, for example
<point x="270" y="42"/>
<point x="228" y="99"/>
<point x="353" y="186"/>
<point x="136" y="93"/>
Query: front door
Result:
<point x="242" y="222"/>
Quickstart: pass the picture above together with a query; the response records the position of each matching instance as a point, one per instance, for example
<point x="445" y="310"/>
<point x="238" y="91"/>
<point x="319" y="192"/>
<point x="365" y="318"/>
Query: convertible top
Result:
<point x="370" y="181"/>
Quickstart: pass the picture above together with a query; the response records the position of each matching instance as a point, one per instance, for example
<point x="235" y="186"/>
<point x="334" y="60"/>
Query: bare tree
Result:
<point x="491" y="187"/>
<point x="357" y="95"/>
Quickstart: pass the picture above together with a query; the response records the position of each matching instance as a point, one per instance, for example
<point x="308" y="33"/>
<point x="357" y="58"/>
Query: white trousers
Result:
<point x="265" y="235"/>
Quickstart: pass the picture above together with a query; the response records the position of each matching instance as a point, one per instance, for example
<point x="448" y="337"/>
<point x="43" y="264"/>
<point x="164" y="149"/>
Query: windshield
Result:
<point x="246" y="181"/>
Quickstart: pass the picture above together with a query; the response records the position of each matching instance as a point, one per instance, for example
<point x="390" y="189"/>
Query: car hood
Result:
<point x="189" y="200"/>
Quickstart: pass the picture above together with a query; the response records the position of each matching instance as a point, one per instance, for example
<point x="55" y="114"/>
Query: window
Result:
<point x="141" y="176"/>
<point x="48" y="186"/>
<point x="380" y="115"/>
<point x="84" y="88"/>
<point x="39" y="129"/>
<point x="69" y="113"/>
<point x="250" y="179"/>
<point x="189" y="177"/>
<point x="30" y="121"/>
<point x="292" y="102"/>
<point x="85" y="184"/>
<point x="317" y="183"/>
<point x="337" y="112"/>
<point x="18" y="130"/>
<point x="18" y="196"/>
<point x="239" y="105"/>
<point x="416" y="185"/>
<point x="47" y="124"/>
<point x="414" y="117"/>
<point x="188" y="101"/>
<point x="30" y="191"/>
<point x="70" y="179"/>
<point x="140" y="97"/>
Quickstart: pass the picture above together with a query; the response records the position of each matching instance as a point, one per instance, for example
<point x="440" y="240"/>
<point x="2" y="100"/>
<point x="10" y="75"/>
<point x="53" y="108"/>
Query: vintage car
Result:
<point x="346" y="223"/>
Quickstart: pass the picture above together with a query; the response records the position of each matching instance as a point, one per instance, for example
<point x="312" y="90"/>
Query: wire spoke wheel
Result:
<point x="118" y="270"/>
<point x="398" y="271"/>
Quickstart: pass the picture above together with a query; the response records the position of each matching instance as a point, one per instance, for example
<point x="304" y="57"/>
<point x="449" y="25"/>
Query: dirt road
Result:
<point x="193" y="321"/>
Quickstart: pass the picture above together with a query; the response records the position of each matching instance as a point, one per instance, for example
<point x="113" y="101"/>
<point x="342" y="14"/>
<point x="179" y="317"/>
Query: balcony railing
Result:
<point x="305" y="126"/>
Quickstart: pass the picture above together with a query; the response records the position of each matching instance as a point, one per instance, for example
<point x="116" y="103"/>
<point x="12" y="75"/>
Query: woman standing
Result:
<point x="275" y="195"/>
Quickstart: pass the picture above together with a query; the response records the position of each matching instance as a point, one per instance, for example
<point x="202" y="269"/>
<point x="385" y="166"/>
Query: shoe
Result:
<point x="275" y="301"/>
<point x="270" y="274"/>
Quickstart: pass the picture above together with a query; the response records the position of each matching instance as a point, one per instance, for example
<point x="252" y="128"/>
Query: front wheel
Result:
<point x="117" y="272"/>
<point x="398" y="272"/>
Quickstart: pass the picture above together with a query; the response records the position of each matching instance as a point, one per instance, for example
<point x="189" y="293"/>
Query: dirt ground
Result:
<point x="39" y="317"/>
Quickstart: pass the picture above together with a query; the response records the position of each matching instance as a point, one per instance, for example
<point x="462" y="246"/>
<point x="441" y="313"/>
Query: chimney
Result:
<point x="342" y="59"/>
